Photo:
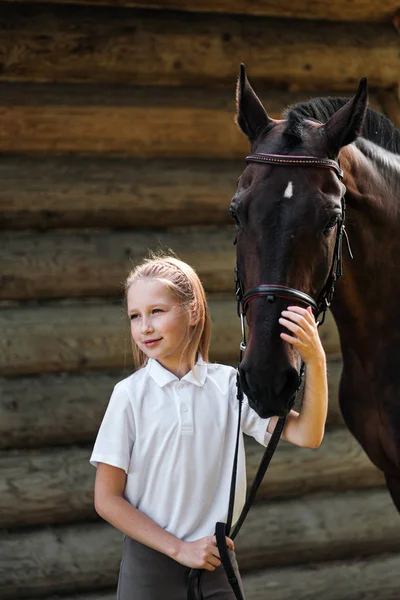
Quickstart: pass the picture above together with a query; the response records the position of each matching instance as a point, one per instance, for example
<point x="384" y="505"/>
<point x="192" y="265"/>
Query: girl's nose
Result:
<point x="146" y="326"/>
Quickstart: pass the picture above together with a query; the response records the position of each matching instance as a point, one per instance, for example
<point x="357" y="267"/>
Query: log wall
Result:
<point x="117" y="135"/>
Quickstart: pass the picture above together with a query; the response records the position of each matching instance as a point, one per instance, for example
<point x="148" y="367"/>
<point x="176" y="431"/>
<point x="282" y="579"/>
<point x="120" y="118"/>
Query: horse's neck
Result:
<point x="372" y="178"/>
<point x="367" y="298"/>
<point x="386" y="163"/>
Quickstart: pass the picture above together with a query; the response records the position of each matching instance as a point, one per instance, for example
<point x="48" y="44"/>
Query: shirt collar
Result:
<point x="162" y="376"/>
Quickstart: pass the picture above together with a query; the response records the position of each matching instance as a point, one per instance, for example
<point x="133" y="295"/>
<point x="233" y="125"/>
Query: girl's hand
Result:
<point x="304" y="333"/>
<point x="202" y="553"/>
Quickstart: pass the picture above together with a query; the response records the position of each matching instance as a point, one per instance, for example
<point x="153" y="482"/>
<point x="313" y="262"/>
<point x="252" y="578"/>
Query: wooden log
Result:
<point x="137" y="122"/>
<point x="82" y="557"/>
<point x="65" y="265"/>
<point x="47" y="486"/>
<point x="56" y="486"/>
<point x="359" y="10"/>
<point x="391" y="105"/>
<point x="65" y="43"/>
<point x="67" y="336"/>
<point x="179" y="132"/>
<point x="60" y="559"/>
<point x="339" y="464"/>
<point x="54" y="409"/>
<point x="318" y="528"/>
<point x="42" y="193"/>
<point x="60" y="409"/>
<point x="366" y="579"/>
<point x="91" y="335"/>
<point x="359" y="579"/>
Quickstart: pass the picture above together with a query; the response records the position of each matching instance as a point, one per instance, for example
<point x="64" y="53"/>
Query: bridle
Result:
<point x="270" y="292"/>
<point x="273" y="291"/>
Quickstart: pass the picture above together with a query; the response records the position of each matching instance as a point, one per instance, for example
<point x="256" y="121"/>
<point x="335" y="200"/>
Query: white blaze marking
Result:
<point x="289" y="190"/>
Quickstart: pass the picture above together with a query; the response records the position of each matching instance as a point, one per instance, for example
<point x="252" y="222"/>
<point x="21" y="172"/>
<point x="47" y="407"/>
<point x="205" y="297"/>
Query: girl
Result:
<point x="165" y="448"/>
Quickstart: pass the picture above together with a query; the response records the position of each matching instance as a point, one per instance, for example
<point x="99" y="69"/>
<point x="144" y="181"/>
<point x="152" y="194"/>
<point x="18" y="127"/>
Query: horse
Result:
<point x="288" y="213"/>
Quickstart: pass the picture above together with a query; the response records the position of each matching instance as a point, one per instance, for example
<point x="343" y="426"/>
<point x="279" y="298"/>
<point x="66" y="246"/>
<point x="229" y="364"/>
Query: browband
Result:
<point x="279" y="159"/>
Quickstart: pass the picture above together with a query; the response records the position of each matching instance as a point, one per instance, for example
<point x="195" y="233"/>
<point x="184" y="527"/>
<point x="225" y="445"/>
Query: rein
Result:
<point x="270" y="292"/>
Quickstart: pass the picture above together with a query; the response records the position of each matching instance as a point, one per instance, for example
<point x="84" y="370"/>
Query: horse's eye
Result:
<point x="331" y="224"/>
<point x="234" y="217"/>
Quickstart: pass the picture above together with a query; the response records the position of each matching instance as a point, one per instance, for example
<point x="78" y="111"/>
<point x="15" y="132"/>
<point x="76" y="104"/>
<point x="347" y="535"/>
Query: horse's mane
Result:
<point x="377" y="128"/>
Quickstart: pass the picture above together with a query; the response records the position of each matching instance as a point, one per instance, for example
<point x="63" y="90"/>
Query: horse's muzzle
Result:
<point x="271" y="392"/>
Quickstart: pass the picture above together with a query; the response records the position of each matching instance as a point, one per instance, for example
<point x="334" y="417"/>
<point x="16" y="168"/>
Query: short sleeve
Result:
<point x="116" y="436"/>
<point x="254" y="425"/>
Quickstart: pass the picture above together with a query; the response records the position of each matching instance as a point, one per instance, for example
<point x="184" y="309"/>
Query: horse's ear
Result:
<point x="346" y="124"/>
<point x="251" y="116"/>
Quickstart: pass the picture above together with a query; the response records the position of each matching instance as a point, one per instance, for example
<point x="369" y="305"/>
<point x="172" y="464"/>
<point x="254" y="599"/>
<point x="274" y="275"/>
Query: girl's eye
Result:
<point x="132" y="317"/>
<point x="155" y="310"/>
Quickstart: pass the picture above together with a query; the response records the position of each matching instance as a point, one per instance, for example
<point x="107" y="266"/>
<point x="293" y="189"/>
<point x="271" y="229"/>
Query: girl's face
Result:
<point x="159" y="325"/>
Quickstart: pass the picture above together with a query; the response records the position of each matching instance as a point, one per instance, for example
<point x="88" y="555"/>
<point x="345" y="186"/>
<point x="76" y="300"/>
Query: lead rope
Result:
<point x="222" y="530"/>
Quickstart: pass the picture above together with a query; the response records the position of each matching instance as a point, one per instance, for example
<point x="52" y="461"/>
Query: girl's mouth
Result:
<point x="151" y="343"/>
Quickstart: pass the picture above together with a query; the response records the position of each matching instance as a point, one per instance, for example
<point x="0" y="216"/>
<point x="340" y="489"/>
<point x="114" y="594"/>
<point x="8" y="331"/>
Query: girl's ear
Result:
<point x="251" y="116"/>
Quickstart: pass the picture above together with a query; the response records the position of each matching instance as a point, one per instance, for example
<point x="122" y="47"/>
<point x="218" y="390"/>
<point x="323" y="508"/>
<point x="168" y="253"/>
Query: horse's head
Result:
<point x="287" y="217"/>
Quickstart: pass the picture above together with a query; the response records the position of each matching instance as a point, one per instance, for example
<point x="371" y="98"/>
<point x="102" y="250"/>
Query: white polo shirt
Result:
<point x="175" y="440"/>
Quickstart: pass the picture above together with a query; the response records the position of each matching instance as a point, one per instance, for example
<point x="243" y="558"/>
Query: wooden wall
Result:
<point x="117" y="135"/>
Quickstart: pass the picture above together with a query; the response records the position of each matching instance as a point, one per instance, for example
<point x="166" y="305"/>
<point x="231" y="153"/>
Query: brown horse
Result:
<point x="287" y="217"/>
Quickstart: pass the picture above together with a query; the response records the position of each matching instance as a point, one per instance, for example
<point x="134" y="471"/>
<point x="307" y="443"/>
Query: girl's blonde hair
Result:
<point x="184" y="282"/>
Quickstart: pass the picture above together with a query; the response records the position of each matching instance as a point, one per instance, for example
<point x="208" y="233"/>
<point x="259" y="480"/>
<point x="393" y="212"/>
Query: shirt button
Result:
<point x="179" y="386"/>
<point x="184" y="408"/>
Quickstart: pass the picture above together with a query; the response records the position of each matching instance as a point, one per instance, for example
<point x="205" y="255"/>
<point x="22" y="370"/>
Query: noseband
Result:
<point x="273" y="291"/>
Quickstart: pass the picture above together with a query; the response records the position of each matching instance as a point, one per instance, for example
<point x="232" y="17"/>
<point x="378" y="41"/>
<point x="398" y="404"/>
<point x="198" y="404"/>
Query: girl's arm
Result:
<point x="112" y="507"/>
<point x="307" y="428"/>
